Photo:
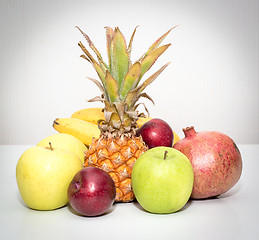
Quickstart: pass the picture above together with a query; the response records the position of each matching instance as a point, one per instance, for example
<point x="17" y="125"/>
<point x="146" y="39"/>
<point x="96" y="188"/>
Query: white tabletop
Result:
<point x="234" y="215"/>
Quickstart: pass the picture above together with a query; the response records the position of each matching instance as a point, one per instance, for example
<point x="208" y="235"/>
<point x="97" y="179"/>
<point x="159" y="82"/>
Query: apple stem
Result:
<point x="165" y="154"/>
<point x="50" y="146"/>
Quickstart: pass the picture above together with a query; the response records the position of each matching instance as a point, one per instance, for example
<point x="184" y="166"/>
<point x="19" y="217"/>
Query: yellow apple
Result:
<point x="44" y="174"/>
<point x="65" y="141"/>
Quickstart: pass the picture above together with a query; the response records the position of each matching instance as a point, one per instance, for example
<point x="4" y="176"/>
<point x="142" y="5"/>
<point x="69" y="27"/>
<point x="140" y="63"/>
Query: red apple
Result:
<point x="91" y="192"/>
<point x="156" y="132"/>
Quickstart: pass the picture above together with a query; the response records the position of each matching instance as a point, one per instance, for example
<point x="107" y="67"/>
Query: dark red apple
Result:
<point x="157" y="132"/>
<point x="91" y="192"/>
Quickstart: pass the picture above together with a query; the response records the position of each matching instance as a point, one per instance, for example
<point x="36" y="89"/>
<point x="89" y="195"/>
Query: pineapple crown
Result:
<point x="120" y="78"/>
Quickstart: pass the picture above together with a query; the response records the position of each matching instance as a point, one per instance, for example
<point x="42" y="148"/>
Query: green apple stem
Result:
<point x="165" y="154"/>
<point x="50" y="146"/>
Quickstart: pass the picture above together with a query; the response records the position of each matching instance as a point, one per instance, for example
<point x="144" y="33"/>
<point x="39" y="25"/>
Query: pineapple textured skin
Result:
<point x="117" y="157"/>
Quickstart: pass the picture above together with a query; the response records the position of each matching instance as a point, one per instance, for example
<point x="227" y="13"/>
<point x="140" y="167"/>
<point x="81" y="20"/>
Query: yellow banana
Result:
<point x="78" y="128"/>
<point x="141" y="121"/>
<point x="176" y="138"/>
<point x="91" y="115"/>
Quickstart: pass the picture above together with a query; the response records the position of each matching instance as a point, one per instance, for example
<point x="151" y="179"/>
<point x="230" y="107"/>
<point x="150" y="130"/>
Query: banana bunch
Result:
<point x="84" y="131"/>
<point x="91" y="115"/>
<point x="83" y="124"/>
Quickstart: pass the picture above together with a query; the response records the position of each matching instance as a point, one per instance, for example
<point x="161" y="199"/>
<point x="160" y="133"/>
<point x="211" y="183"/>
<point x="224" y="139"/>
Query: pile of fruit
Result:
<point x="116" y="154"/>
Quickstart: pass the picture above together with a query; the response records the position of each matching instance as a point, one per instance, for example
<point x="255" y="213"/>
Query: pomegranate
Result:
<point x="216" y="161"/>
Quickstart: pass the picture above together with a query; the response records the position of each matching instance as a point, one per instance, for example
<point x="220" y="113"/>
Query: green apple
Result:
<point x="162" y="180"/>
<point x="44" y="174"/>
<point x="65" y="141"/>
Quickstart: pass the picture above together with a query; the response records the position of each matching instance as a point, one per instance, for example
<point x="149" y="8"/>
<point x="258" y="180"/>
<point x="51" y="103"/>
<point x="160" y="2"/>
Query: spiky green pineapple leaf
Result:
<point x="133" y="95"/>
<point x="158" y="41"/>
<point x="145" y="95"/>
<point x="130" y="79"/>
<point x="130" y="45"/>
<point x="109" y="36"/>
<point x="120" y="62"/>
<point x="112" y="87"/>
<point x="151" y="78"/>
<point x="96" y="99"/>
<point x="150" y="59"/>
<point x="85" y="57"/>
<point x="143" y="104"/>
<point x="120" y="108"/>
<point x="98" y="84"/>
<point x="95" y="64"/>
<point x="92" y="46"/>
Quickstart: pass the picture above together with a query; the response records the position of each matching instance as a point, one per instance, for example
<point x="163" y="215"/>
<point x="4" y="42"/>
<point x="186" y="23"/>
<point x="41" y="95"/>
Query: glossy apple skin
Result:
<point x="91" y="192"/>
<point x="162" y="180"/>
<point x="43" y="176"/>
<point x="156" y="133"/>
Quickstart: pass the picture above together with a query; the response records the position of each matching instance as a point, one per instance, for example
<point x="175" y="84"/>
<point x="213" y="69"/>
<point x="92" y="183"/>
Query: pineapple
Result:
<point x="118" y="147"/>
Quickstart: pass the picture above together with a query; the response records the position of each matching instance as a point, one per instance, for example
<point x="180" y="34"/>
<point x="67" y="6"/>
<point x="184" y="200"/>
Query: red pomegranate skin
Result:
<point x="216" y="162"/>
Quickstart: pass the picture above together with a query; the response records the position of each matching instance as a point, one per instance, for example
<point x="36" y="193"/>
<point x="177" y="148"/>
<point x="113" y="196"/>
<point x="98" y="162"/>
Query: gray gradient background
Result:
<point x="211" y="83"/>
